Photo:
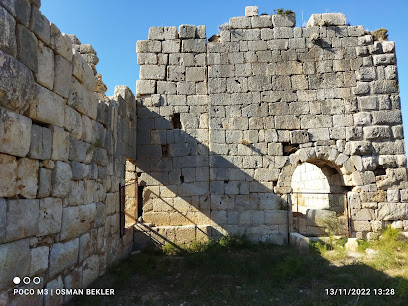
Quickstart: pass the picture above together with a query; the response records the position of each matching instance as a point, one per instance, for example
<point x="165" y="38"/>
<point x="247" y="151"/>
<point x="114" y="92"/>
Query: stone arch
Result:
<point x="339" y="171"/>
<point x="328" y="159"/>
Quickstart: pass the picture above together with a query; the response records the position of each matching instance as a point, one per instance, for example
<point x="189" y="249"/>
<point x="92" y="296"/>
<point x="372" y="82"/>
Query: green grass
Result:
<point x="235" y="271"/>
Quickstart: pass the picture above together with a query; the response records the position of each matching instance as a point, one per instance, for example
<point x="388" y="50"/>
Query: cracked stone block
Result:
<point x="15" y="133"/>
<point x="22" y="219"/>
<point x="17" y="85"/>
<point x="27" y="51"/>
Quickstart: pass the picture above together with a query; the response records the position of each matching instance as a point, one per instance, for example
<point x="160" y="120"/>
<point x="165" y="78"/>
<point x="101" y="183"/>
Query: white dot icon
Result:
<point x="16" y="280"/>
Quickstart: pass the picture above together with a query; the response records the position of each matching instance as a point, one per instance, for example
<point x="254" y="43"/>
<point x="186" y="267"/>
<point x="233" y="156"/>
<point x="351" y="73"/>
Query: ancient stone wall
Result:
<point x="63" y="148"/>
<point x="257" y="101"/>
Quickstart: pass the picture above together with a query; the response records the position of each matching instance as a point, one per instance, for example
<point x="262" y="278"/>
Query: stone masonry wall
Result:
<point x="63" y="148"/>
<point x="276" y="97"/>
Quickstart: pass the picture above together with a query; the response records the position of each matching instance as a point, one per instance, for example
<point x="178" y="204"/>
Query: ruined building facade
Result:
<point x="208" y="146"/>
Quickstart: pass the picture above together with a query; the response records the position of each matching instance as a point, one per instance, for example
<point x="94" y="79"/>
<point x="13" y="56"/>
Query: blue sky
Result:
<point x="113" y="27"/>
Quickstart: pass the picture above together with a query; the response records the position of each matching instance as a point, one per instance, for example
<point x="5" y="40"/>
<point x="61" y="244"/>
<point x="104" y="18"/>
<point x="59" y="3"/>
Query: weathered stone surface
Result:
<point x="40" y="25"/>
<point x="186" y="31"/>
<point x="284" y="20"/>
<point x="14" y="260"/>
<point x="61" y="179"/>
<point x="17" y="87"/>
<point x="50" y="217"/>
<point x="20" y="9"/>
<point x="60" y="144"/>
<point x="27" y="48"/>
<point x="7" y="36"/>
<point x="77" y="220"/>
<point x="8" y="171"/>
<point x="327" y="19"/>
<point x="82" y="71"/>
<point x="41" y="143"/>
<point x="27" y="177"/>
<point x="61" y="43"/>
<point x="44" y="183"/>
<point x="90" y="270"/>
<point x="22" y="219"/>
<point x="45" y="74"/>
<point x="39" y="260"/>
<point x="3" y="223"/>
<point x="73" y="122"/>
<point x="251" y="11"/>
<point x="15" y="133"/>
<point x="63" y="74"/>
<point x="63" y="255"/>
<point x="392" y="211"/>
<point x="48" y="108"/>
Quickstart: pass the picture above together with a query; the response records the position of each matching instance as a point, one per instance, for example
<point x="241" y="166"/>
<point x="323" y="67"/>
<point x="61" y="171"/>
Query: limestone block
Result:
<point x="144" y="87"/>
<point x="79" y="170"/>
<point x="39" y="260"/>
<point x="3" y="223"/>
<point x="391" y="72"/>
<point x="240" y="22"/>
<point x="45" y="74"/>
<point x="170" y="46"/>
<point x="287" y="122"/>
<point x="90" y="270"/>
<point x="44" y="183"/>
<point x="327" y="19"/>
<point x="393" y="196"/>
<point x="195" y="74"/>
<point x="61" y="179"/>
<point x="85" y="246"/>
<point x="194" y="45"/>
<point x="48" y="108"/>
<point x="186" y="31"/>
<point x="152" y="72"/>
<point x="77" y="193"/>
<point x="388" y="46"/>
<point x="27" y="48"/>
<point x="377" y="132"/>
<point x="22" y="219"/>
<point x="312" y="121"/>
<point x="392" y="211"/>
<point x="261" y="22"/>
<point x="251" y="11"/>
<point x="387" y="117"/>
<point x="63" y="255"/>
<point x="82" y="71"/>
<point x="8" y="35"/>
<point x="361" y="226"/>
<point x="201" y="32"/>
<point x="384" y="87"/>
<point x="14" y="260"/>
<point x="368" y="103"/>
<point x="78" y="151"/>
<point x="147" y="59"/>
<point x="15" y="133"/>
<point x="148" y="46"/>
<point x="61" y="43"/>
<point x="41" y="143"/>
<point x="40" y="25"/>
<point x="366" y="74"/>
<point x="16" y="84"/>
<point x="364" y="214"/>
<point x="63" y="73"/>
<point x="73" y="122"/>
<point x="284" y="20"/>
<point x="60" y="144"/>
<point x="27" y="177"/>
<point x="8" y="173"/>
<point x="384" y="59"/>
<point x="50" y="216"/>
<point x="362" y="88"/>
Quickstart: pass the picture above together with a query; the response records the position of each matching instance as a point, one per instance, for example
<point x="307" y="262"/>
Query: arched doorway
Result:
<point x="319" y="199"/>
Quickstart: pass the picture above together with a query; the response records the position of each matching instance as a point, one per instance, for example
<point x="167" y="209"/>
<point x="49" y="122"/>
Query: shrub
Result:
<point x="380" y="34"/>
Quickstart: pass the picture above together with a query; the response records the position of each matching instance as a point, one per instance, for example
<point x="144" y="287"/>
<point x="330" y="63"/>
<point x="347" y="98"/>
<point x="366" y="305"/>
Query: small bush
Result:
<point x="380" y="34"/>
<point x="280" y="11"/>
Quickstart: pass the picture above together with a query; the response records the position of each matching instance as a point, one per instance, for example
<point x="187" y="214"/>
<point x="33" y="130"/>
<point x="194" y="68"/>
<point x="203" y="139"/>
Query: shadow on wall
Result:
<point x="191" y="192"/>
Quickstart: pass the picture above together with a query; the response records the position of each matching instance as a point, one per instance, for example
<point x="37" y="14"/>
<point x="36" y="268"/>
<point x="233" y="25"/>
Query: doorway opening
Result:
<point x="319" y="201"/>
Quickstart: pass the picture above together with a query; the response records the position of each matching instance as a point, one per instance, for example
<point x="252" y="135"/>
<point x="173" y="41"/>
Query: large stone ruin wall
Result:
<point x="222" y="125"/>
<point x="63" y="149"/>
